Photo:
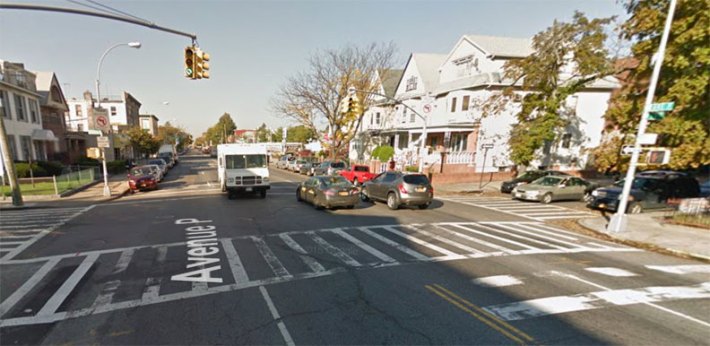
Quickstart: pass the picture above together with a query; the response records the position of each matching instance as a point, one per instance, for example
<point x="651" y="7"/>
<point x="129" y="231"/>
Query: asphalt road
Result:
<point x="185" y="265"/>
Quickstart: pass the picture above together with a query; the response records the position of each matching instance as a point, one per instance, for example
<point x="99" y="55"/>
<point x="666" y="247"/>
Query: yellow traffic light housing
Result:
<point x="205" y="65"/>
<point x="190" y="62"/>
<point x="202" y="65"/>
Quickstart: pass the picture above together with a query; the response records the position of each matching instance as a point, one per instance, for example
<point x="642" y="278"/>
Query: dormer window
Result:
<point x="411" y="83"/>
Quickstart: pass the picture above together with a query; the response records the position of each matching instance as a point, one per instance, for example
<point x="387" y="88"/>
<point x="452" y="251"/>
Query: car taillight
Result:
<point x="330" y="192"/>
<point x="402" y="189"/>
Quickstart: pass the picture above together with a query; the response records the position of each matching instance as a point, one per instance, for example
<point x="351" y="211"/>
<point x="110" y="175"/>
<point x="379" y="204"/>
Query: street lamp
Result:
<point x="136" y="45"/>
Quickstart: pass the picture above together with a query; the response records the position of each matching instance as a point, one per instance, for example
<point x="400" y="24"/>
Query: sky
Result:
<point x="254" y="45"/>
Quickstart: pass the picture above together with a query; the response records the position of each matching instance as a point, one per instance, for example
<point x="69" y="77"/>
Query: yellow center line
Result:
<point x="486" y="313"/>
<point x="474" y="314"/>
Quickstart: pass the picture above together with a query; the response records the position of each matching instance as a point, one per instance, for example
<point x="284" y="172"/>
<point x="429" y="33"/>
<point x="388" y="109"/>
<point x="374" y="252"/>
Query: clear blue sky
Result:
<point x="255" y="45"/>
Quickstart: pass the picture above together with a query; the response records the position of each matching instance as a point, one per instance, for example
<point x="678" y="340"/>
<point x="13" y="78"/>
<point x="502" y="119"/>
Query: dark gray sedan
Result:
<point x="328" y="192"/>
<point x="398" y="188"/>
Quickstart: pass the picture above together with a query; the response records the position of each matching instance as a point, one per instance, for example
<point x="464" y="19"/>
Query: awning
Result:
<point x="43" y="135"/>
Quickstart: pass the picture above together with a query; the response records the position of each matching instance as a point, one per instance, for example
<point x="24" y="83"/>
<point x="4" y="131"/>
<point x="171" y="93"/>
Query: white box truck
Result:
<point x="168" y="153"/>
<point x="242" y="168"/>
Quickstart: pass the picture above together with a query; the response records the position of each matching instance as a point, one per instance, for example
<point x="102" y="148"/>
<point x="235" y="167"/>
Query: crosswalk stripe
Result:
<point x="105" y="296"/>
<point x="123" y="261"/>
<point x="476" y="240"/>
<point x="549" y="239"/>
<point x="562" y="217"/>
<point x="497" y="237"/>
<point x="15" y="297"/>
<point x="566" y="212"/>
<point x="395" y="244"/>
<point x="611" y="271"/>
<point x="541" y="230"/>
<point x="2" y="237"/>
<point x="63" y="292"/>
<point x="271" y="259"/>
<point x="334" y="251"/>
<point x="682" y="269"/>
<point x="367" y="248"/>
<point x="26" y="226"/>
<point x="152" y="288"/>
<point x="421" y="242"/>
<point x="308" y="260"/>
<point x="445" y="240"/>
<point x="235" y="263"/>
<point x="10" y="242"/>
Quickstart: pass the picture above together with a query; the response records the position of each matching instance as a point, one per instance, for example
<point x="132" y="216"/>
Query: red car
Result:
<point x="358" y="174"/>
<point x="141" y="178"/>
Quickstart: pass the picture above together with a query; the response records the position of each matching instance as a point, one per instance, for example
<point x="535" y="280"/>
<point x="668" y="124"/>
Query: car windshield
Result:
<point x="416" y="179"/>
<point x="547" y="181"/>
<point x="155" y="162"/>
<point x="335" y="181"/>
<point x="639" y="183"/>
<point x="337" y="165"/>
<point x="140" y="171"/>
<point x="245" y="161"/>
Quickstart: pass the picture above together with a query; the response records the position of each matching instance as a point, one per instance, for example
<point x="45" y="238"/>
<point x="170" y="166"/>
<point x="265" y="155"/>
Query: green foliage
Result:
<point x="262" y="133"/>
<point x="542" y="114"/>
<point x="411" y="169"/>
<point x="87" y="161"/>
<point x="383" y="153"/>
<point x="300" y="134"/>
<point x="116" y="167"/>
<point x="143" y="141"/>
<point x="170" y="134"/>
<point x="51" y="167"/>
<point x="22" y="169"/>
<point x="221" y="131"/>
<point x="684" y="79"/>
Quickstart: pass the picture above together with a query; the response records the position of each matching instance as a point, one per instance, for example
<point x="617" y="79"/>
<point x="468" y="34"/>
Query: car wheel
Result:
<point x="298" y="195"/>
<point x="363" y="196"/>
<point x="635" y="208"/>
<point x="587" y="197"/>
<point x="392" y="201"/>
<point x="546" y="198"/>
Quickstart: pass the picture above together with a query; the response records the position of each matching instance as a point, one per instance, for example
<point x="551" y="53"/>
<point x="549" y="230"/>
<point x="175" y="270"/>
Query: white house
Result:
<point x="20" y="109"/>
<point x="445" y="89"/>
<point x="123" y="111"/>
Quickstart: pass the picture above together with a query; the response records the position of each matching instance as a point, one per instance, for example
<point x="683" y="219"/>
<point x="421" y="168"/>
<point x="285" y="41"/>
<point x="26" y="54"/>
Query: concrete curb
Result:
<point x="647" y="246"/>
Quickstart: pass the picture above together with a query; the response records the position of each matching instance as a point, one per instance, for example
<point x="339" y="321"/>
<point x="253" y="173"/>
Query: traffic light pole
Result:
<point x="422" y="144"/>
<point x="618" y="222"/>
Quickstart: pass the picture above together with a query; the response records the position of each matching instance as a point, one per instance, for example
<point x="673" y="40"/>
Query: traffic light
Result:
<point x="345" y="105"/>
<point x="356" y="106"/>
<point x="190" y="62"/>
<point x="202" y="65"/>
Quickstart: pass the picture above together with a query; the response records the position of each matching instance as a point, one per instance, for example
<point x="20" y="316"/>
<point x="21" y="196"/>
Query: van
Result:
<point x="242" y="168"/>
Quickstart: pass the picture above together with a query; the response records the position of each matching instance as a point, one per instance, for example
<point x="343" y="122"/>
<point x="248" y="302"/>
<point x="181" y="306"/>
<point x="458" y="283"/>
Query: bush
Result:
<point x="23" y="170"/>
<point x="116" y="167"/>
<point x="85" y="161"/>
<point x="51" y="167"/>
<point x="411" y="169"/>
<point x="383" y="153"/>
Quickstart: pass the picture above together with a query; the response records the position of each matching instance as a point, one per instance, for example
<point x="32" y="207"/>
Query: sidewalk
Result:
<point x="464" y="188"/>
<point x="647" y="230"/>
<point x="93" y="194"/>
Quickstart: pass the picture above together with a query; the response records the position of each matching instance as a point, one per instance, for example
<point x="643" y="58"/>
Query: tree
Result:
<point x="300" y="134"/>
<point x="312" y="97"/>
<point x="684" y="79"/>
<point x="263" y="134"/>
<point x="143" y="141"/>
<point x="174" y="135"/>
<point x="221" y="131"/>
<point x="566" y="58"/>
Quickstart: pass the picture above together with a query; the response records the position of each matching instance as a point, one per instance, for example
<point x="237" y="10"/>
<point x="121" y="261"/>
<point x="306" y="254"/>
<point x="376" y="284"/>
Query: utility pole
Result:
<point x="618" y="221"/>
<point x="9" y="164"/>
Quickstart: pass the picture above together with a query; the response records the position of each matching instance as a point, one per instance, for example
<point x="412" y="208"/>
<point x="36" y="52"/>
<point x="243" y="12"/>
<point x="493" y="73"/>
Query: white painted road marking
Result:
<point x="683" y="269"/>
<point x="610" y="271"/>
<point x="497" y="281"/>
<point x="538" y="212"/>
<point x="275" y="314"/>
<point x="595" y="300"/>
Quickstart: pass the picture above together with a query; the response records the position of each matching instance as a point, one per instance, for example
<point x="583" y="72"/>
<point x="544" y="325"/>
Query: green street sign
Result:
<point x="656" y="115"/>
<point x="662" y="107"/>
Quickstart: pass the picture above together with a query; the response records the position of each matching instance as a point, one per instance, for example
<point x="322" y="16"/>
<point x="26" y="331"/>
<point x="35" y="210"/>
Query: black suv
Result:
<point x="526" y="178"/>
<point x="650" y="190"/>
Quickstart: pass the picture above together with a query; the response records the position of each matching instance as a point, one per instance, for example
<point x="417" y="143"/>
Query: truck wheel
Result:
<point x="298" y="195"/>
<point x="262" y="194"/>
<point x="230" y="195"/>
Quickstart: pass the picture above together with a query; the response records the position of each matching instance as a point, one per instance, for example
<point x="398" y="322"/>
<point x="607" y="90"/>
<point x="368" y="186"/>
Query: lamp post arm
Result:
<point x="98" y="70"/>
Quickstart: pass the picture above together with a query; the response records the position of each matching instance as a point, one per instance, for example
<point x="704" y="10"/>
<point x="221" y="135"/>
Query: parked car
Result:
<point x="295" y="165"/>
<point x="328" y="192"/>
<point x="526" y="178"/>
<point x="358" y="174"/>
<point x="649" y="190"/>
<point x="284" y="161"/>
<point x="161" y="163"/>
<point x="168" y="158"/>
<point x="308" y="167"/>
<point x="141" y="178"/>
<point x="398" y="188"/>
<point x="705" y="189"/>
<point x="329" y="167"/>
<point x="156" y="171"/>
<point x="554" y="188"/>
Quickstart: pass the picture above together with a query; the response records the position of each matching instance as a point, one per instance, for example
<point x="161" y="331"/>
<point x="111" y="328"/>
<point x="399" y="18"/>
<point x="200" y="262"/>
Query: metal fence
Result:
<point x="55" y="185"/>
<point x="691" y="212"/>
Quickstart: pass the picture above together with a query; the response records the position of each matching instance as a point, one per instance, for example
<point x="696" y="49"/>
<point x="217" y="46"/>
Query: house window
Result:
<point x="12" y="145"/>
<point x="566" y="139"/>
<point x="34" y="111"/>
<point x="464" y="104"/>
<point x="4" y="106"/>
<point x="39" y="151"/>
<point x="26" y="145"/>
<point x="411" y="83"/>
<point x="20" y="107"/>
<point x="21" y="79"/>
<point x="377" y="118"/>
<point x="77" y="108"/>
<point x="453" y="105"/>
<point x="113" y="110"/>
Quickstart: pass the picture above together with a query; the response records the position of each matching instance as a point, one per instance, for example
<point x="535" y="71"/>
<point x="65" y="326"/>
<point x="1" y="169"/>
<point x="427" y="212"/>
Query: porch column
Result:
<point x="396" y="141"/>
